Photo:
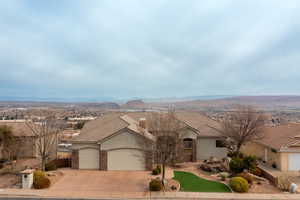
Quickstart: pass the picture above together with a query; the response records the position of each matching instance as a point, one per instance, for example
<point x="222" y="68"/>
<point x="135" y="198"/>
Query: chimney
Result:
<point x="142" y="123"/>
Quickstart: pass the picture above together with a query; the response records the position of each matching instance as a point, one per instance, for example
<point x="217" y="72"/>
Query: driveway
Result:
<point x="90" y="183"/>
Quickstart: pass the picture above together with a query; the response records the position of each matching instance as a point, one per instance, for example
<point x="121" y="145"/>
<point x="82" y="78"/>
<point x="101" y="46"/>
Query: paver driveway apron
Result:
<point x="84" y="181"/>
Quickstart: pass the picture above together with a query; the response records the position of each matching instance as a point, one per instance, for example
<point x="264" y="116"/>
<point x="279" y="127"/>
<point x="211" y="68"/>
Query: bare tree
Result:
<point x="167" y="129"/>
<point x="46" y="134"/>
<point x="7" y="141"/>
<point x="243" y="124"/>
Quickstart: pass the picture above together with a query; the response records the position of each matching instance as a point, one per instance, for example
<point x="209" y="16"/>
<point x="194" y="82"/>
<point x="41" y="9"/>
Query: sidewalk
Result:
<point x="40" y="194"/>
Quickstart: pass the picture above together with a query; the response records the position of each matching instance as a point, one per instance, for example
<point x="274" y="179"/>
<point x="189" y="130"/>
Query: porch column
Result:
<point x="103" y="160"/>
<point x="75" y="159"/>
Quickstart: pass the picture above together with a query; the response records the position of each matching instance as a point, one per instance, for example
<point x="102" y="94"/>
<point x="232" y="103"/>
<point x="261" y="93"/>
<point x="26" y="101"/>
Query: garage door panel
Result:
<point x="126" y="159"/>
<point x="89" y="159"/>
<point x="294" y="162"/>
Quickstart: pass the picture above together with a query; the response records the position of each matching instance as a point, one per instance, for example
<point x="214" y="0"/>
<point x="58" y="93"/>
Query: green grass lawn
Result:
<point x="192" y="183"/>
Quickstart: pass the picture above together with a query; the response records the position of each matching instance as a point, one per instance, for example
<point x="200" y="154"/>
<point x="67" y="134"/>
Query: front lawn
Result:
<point x="192" y="183"/>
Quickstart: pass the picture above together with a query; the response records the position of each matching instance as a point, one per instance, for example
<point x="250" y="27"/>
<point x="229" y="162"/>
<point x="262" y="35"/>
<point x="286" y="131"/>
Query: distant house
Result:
<point x="25" y="141"/>
<point x="279" y="148"/>
<point x="115" y="141"/>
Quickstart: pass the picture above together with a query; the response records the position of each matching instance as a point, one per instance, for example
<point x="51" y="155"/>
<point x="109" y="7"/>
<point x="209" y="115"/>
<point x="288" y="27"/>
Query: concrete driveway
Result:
<point x="90" y="183"/>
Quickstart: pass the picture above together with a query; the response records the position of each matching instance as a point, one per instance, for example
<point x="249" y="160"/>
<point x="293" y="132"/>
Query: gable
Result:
<point x="123" y="139"/>
<point x="188" y="133"/>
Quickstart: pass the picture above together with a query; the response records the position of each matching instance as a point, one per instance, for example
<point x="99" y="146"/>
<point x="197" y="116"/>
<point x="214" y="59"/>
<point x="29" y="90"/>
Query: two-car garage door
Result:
<point x="126" y="159"/>
<point x="294" y="161"/>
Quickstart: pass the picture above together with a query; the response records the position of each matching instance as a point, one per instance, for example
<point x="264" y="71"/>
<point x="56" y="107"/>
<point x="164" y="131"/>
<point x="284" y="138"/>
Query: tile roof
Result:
<point x="19" y="129"/>
<point x="112" y="122"/>
<point x="101" y="128"/>
<point x="195" y="120"/>
<point x="281" y="137"/>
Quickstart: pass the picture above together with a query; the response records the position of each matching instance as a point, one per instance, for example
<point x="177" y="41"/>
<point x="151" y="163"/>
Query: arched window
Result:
<point x="187" y="143"/>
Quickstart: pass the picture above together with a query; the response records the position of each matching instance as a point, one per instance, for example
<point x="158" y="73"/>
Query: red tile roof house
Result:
<point x="280" y="147"/>
<point x="114" y="141"/>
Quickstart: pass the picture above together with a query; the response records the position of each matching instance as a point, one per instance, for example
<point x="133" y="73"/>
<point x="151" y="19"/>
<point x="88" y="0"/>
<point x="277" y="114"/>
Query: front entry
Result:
<point x="188" y="150"/>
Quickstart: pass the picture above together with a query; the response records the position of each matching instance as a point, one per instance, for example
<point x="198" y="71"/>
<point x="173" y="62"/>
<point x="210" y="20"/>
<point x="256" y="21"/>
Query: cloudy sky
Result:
<point x="147" y="48"/>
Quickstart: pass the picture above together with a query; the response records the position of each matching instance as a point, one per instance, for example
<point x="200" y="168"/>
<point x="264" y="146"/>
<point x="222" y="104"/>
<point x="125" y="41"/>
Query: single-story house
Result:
<point x="279" y="148"/>
<point x="24" y="141"/>
<point x="116" y="141"/>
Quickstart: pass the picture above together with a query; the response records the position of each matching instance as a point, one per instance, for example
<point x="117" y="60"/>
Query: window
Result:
<point x="187" y="143"/>
<point x="220" y="143"/>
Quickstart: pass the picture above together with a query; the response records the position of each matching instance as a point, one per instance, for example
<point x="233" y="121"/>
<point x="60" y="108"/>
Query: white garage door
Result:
<point x="89" y="159"/>
<point x="294" y="161"/>
<point x="126" y="159"/>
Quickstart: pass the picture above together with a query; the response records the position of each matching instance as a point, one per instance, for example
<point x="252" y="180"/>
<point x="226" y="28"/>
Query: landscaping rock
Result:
<point x="206" y="167"/>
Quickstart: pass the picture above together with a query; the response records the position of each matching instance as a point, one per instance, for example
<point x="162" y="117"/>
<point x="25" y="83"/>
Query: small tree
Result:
<point x="244" y="124"/>
<point x="46" y="135"/>
<point x="166" y="128"/>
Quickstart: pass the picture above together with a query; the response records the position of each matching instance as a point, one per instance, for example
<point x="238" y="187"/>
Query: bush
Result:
<point x="239" y="184"/>
<point x="250" y="162"/>
<point x="155" y="171"/>
<point x="224" y="175"/>
<point x="246" y="176"/>
<point x="40" y="181"/>
<point x="236" y="165"/>
<point x="155" y="185"/>
<point x="235" y="154"/>
<point x="158" y="167"/>
<point x="51" y="166"/>
<point x="284" y="182"/>
<point x="256" y="171"/>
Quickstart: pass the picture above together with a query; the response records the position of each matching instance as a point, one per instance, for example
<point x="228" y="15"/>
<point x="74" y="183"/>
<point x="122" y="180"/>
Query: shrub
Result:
<point x="235" y="154"/>
<point x="236" y="165"/>
<point x="239" y="184"/>
<point x="155" y="171"/>
<point x="246" y="176"/>
<point x="158" y="167"/>
<point x="284" y="182"/>
<point x="224" y="175"/>
<point x="250" y="162"/>
<point x="40" y="181"/>
<point x="50" y="166"/>
<point x="256" y="171"/>
<point x="155" y="185"/>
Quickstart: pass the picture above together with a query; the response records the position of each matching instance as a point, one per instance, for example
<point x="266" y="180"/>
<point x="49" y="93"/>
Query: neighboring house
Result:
<point x="25" y="141"/>
<point x="280" y="147"/>
<point x="121" y="141"/>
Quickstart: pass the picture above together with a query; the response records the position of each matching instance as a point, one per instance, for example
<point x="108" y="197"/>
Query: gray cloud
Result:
<point x="125" y="49"/>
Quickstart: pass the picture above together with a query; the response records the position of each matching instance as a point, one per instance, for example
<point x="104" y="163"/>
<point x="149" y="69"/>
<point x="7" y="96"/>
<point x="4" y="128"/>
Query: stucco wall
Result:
<point x="84" y="145"/>
<point x="253" y="148"/>
<point x="284" y="161"/>
<point x="123" y="140"/>
<point x="206" y="147"/>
